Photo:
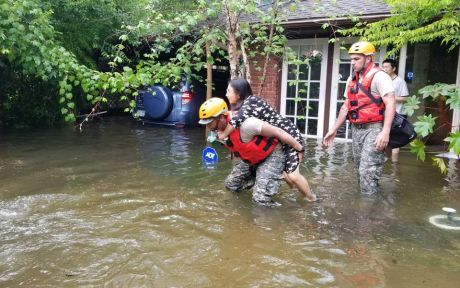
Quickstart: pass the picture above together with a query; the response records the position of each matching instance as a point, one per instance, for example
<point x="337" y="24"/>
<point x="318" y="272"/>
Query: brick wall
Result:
<point x="271" y="91"/>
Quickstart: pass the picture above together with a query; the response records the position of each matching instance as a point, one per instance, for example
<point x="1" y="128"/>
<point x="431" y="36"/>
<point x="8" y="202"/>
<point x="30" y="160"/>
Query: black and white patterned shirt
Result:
<point x="254" y="106"/>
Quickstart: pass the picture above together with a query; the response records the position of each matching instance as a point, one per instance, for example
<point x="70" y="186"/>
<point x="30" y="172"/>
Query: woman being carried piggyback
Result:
<point x="245" y="105"/>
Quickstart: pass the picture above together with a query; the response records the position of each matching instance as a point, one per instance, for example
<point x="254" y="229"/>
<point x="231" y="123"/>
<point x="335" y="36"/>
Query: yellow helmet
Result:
<point x="212" y="108"/>
<point x="362" y="47"/>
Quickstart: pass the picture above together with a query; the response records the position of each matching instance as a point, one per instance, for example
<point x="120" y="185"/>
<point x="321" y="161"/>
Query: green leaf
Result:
<point x="453" y="99"/>
<point x="410" y="106"/>
<point x="425" y="125"/>
<point x="64" y="110"/>
<point x="454" y="142"/>
<point x="438" y="162"/>
<point x="418" y="147"/>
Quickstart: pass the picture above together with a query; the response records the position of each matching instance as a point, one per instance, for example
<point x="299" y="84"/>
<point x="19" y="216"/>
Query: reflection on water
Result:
<point x="122" y="205"/>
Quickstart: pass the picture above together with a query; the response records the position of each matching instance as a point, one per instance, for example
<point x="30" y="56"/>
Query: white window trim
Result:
<point x="456" y="114"/>
<point x="402" y="62"/>
<point x="322" y="86"/>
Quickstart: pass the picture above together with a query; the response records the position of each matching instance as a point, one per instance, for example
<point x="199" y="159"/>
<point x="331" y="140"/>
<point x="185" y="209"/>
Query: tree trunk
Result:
<point x="267" y="59"/>
<point x="209" y="73"/>
<point x="267" y="55"/>
<point x="233" y="53"/>
<point x="247" y="72"/>
<point x="208" y="81"/>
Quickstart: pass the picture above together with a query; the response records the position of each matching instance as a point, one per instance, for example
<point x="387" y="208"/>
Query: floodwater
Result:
<point x="125" y="205"/>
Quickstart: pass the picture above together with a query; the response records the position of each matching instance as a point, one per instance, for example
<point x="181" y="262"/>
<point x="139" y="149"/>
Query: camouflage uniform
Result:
<point x="265" y="177"/>
<point x="368" y="160"/>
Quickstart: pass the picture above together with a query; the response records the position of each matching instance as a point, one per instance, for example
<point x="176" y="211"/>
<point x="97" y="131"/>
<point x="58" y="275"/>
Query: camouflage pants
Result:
<point x="265" y="177"/>
<point x="368" y="161"/>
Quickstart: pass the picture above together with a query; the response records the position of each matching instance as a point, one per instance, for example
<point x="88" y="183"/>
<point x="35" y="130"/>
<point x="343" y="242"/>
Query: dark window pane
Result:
<point x="315" y="70"/>
<point x="341" y="91"/>
<point x="344" y="56"/>
<point x="290" y="107"/>
<point x="341" y="131"/>
<point x="303" y="90"/>
<point x="314" y="90"/>
<point x="302" y="108"/>
<point x="312" y="127"/>
<point x="344" y="71"/>
<point x="303" y="72"/>
<point x="291" y="90"/>
<point x="301" y="125"/>
<point x="339" y="105"/>
<point x="292" y="71"/>
<point x="313" y="109"/>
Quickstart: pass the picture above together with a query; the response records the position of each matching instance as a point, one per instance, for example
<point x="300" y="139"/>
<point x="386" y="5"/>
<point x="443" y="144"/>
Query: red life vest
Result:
<point x="361" y="109"/>
<point x="252" y="152"/>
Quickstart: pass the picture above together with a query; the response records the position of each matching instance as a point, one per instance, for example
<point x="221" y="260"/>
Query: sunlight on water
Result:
<point x="123" y="205"/>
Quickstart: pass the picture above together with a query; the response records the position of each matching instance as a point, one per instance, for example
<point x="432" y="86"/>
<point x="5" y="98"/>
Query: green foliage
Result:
<point x="425" y="125"/>
<point x="418" y="147"/>
<point x="410" y="106"/>
<point x="42" y="38"/>
<point x="413" y="21"/>
<point x="454" y="142"/>
<point x="27" y="101"/>
<point x="85" y="26"/>
<point x="438" y="162"/>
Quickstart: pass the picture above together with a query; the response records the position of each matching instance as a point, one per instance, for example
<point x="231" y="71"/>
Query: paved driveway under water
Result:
<point x="123" y="205"/>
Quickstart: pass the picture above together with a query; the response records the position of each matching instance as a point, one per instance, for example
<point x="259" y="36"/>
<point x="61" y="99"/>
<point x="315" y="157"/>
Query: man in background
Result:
<point x="401" y="94"/>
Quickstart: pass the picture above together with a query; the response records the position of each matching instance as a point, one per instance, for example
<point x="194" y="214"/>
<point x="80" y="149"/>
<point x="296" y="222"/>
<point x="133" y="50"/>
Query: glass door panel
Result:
<point x="302" y="94"/>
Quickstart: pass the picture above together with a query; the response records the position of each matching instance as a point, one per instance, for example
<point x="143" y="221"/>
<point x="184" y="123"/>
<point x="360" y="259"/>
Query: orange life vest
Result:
<point x="252" y="152"/>
<point x="361" y="108"/>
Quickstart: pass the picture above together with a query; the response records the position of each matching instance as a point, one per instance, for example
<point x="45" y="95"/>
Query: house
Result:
<point x="312" y="95"/>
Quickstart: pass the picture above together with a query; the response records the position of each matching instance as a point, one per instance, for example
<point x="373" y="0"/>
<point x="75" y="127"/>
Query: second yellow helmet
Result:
<point x="362" y="47"/>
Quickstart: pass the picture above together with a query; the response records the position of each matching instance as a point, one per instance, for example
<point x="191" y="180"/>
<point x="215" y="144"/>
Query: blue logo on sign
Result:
<point x="210" y="156"/>
<point x="410" y="75"/>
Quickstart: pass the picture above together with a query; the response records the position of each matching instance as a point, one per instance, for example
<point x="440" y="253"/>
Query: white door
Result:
<point x="303" y="86"/>
<point x="341" y="70"/>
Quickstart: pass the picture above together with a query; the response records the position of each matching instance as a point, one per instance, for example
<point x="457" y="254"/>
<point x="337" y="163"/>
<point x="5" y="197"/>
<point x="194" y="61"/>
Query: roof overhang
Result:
<point x="314" y="22"/>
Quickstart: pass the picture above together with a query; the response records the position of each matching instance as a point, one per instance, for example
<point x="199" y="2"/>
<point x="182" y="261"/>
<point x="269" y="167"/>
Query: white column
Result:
<point x="456" y="116"/>
<point x="402" y="62"/>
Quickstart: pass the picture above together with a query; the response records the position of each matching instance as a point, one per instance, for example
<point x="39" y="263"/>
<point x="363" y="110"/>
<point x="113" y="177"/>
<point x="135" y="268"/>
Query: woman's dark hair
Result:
<point x="241" y="87"/>
<point x="392" y="62"/>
